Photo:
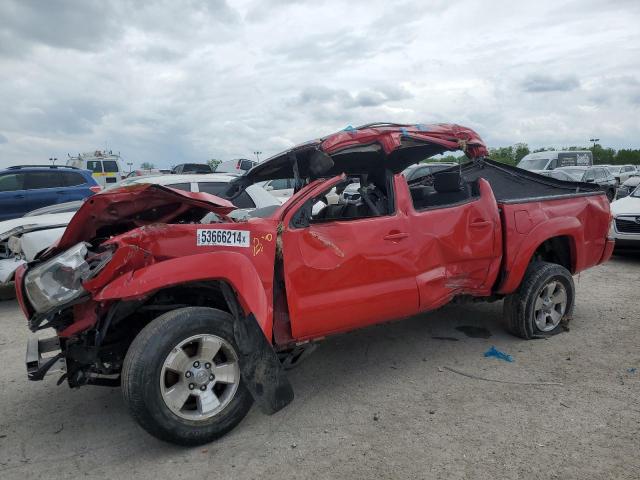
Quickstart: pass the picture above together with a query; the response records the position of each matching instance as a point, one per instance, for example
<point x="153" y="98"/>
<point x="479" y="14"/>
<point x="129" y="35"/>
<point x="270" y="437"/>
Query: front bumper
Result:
<point x="39" y="366"/>
<point x="626" y="231"/>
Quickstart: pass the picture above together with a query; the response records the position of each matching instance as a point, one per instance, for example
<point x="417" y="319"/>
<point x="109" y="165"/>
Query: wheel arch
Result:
<point x="560" y="248"/>
<point x="232" y="284"/>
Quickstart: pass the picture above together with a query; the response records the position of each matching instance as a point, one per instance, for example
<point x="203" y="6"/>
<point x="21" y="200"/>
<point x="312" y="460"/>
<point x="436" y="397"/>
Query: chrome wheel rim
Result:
<point x="199" y="377"/>
<point x="550" y="306"/>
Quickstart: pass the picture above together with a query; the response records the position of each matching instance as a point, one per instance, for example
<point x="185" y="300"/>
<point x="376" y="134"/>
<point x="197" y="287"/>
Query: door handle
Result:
<point x="481" y="223"/>
<point x="18" y="196"/>
<point x="396" y="236"/>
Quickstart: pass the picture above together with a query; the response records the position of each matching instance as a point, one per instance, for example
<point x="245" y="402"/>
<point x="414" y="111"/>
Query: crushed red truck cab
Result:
<point x="197" y="315"/>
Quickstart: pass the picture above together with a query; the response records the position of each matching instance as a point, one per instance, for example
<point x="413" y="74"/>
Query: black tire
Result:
<point x="518" y="308"/>
<point x="142" y="369"/>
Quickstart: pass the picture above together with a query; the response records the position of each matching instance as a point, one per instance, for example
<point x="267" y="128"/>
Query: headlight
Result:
<point x="58" y="280"/>
<point x="612" y="229"/>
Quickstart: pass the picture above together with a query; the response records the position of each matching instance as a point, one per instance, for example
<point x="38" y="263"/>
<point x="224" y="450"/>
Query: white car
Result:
<point x="622" y="172"/>
<point x="26" y="237"/>
<point x="213" y="183"/>
<point x="282" y="189"/>
<point x="625" y="227"/>
<point x="30" y="228"/>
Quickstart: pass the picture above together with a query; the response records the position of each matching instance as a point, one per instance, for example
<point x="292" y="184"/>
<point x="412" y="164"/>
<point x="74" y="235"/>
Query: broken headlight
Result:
<point x="59" y="280"/>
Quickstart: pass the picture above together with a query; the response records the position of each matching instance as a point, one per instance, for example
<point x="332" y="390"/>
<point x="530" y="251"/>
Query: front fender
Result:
<point x="233" y="268"/>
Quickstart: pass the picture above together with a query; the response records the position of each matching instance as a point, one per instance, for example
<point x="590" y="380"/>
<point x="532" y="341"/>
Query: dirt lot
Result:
<point x="377" y="403"/>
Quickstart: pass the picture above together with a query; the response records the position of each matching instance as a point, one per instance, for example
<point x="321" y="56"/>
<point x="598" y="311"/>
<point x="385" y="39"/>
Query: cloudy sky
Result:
<point x="175" y="81"/>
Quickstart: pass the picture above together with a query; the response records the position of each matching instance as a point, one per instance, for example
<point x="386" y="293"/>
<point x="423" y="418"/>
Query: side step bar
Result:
<point x="37" y="366"/>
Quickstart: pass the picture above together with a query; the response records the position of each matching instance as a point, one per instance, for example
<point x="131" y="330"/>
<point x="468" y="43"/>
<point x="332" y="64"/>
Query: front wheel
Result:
<point x="545" y="297"/>
<point x="181" y="377"/>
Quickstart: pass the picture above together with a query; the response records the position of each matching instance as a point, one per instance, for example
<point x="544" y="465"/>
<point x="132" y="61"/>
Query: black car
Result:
<point x="595" y="174"/>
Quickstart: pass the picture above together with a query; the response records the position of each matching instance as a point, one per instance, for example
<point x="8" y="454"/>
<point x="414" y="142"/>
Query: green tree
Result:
<point x="521" y="149"/>
<point x="502" y="155"/>
<point x="213" y="163"/>
<point x="624" y="156"/>
<point x="602" y="155"/>
<point x="147" y="166"/>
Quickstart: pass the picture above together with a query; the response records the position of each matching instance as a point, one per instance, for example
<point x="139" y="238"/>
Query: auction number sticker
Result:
<point x="225" y="238"/>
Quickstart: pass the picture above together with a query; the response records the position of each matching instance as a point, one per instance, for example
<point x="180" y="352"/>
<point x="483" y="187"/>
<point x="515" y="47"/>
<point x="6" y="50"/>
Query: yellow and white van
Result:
<point x="106" y="167"/>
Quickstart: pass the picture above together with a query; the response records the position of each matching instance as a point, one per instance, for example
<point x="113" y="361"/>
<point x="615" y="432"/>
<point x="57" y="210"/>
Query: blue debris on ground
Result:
<point x="632" y="370"/>
<point x="494" y="352"/>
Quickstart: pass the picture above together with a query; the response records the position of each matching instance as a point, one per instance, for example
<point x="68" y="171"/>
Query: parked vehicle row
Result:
<point x="22" y="239"/>
<point x="589" y="174"/>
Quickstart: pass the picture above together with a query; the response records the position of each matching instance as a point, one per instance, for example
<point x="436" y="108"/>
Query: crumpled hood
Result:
<point x="125" y="208"/>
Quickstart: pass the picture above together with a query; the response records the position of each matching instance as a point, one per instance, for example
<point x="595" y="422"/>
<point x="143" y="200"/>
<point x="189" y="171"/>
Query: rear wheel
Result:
<point x="181" y="377"/>
<point x="544" y="299"/>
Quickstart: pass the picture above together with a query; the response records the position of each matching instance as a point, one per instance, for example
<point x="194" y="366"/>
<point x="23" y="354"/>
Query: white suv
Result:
<point x="625" y="227"/>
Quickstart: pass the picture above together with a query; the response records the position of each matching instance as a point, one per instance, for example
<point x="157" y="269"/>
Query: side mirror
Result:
<point x="268" y="188"/>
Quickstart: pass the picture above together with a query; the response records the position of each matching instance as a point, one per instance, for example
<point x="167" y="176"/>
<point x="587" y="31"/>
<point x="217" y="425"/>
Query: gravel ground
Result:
<point x="377" y="403"/>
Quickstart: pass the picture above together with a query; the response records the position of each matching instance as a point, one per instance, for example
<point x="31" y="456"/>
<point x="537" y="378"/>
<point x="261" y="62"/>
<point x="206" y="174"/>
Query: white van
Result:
<point x="551" y="160"/>
<point x="239" y="166"/>
<point x="106" y="167"/>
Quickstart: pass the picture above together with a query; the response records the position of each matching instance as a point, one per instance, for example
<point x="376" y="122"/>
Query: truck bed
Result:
<point x="515" y="185"/>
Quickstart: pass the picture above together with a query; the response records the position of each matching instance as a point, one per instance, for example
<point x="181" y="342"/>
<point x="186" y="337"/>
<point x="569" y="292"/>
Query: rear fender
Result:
<point x="556" y="227"/>
<point x="233" y="268"/>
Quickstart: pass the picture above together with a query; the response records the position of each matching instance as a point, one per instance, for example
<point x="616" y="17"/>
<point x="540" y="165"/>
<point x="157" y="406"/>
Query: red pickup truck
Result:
<point x="197" y="316"/>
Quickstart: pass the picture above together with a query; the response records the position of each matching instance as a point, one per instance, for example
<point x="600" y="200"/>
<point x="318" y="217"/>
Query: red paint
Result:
<point x="447" y="136"/>
<point x="339" y="275"/>
<point x="20" y="295"/>
<point x="84" y="315"/>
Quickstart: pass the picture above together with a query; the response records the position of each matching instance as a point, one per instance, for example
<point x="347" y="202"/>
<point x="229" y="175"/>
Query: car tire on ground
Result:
<point x="544" y="299"/>
<point x="181" y="378"/>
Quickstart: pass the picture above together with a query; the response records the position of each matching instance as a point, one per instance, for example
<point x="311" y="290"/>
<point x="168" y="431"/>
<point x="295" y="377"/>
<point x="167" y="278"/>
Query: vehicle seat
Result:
<point x="448" y="190"/>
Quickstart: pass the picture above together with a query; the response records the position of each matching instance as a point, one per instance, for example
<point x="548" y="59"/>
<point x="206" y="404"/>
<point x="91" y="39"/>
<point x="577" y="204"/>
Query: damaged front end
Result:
<point x="58" y="289"/>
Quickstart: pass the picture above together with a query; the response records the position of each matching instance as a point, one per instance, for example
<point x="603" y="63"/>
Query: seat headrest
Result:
<point x="447" y="181"/>
<point x="419" y="192"/>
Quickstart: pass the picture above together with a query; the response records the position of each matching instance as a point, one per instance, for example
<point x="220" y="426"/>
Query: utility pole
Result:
<point x="593" y="149"/>
<point x="257" y="154"/>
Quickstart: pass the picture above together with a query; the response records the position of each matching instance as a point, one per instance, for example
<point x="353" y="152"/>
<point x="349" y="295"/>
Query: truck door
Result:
<point x="343" y="272"/>
<point x="458" y="243"/>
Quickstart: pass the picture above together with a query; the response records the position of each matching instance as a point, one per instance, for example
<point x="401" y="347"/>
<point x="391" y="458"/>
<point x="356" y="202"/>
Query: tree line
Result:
<point x="514" y="153"/>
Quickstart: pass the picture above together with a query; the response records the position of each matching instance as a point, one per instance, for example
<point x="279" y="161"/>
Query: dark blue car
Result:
<point x="25" y="188"/>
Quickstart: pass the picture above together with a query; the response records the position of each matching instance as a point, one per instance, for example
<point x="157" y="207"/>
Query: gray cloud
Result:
<point x="546" y="83"/>
<point x="3" y="139"/>
<point x="344" y="99"/>
<point x="173" y="81"/>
